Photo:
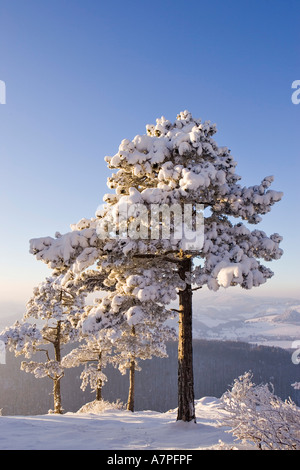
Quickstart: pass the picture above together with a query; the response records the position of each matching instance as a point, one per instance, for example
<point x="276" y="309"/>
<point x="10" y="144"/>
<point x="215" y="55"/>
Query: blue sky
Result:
<point x="81" y="75"/>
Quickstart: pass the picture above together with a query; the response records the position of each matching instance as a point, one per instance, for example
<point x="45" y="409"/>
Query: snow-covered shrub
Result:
<point x="255" y="414"/>
<point x="99" y="406"/>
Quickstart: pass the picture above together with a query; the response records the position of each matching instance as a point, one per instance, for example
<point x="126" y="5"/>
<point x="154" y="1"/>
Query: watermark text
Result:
<point x="2" y="92"/>
<point x="2" y="353"/>
<point x="175" y="222"/>
<point x="296" y="354"/>
<point x="296" y="94"/>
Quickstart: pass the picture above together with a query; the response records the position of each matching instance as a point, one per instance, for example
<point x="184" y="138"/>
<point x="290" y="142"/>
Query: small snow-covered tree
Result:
<point x="141" y="339"/>
<point x="135" y="328"/>
<point x="178" y="166"/>
<point x="255" y="414"/>
<point x="138" y="344"/>
<point x="94" y="354"/>
<point x="56" y="311"/>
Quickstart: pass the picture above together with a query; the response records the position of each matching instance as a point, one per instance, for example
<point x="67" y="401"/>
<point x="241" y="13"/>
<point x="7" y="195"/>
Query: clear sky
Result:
<point x="81" y="75"/>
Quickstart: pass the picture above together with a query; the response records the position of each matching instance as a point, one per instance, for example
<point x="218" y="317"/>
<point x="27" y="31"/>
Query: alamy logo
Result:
<point x="157" y="221"/>
<point x="296" y="94"/>
<point x="296" y="354"/>
<point x="2" y="92"/>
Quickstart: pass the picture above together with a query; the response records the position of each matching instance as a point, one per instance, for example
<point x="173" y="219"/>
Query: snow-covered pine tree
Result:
<point x="140" y="342"/>
<point x="95" y="357"/>
<point x="56" y="311"/>
<point x="177" y="165"/>
<point x="94" y="353"/>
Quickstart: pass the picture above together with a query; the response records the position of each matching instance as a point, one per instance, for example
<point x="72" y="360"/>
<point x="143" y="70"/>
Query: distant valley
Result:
<point x="265" y="321"/>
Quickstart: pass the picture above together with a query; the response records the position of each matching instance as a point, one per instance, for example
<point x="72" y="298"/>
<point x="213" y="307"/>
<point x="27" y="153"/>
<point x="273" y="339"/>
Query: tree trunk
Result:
<point x="186" y="405"/>
<point x="99" y="393"/>
<point x="99" y="384"/>
<point x="57" y="396"/>
<point x="56" y="384"/>
<point x="130" y="402"/>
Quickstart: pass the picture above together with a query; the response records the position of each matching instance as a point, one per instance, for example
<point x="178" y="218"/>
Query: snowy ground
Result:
<point x="116" y="429"/>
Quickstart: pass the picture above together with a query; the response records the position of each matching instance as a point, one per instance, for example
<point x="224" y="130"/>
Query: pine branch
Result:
<point x="151" y="256"/>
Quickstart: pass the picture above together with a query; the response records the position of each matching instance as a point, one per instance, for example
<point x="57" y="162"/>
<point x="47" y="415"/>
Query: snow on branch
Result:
<point x="77" y="249"/>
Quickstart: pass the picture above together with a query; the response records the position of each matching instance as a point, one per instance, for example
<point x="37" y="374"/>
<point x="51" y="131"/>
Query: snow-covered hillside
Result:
<point x="117" y="429"/>
<point x="260" y="320"/>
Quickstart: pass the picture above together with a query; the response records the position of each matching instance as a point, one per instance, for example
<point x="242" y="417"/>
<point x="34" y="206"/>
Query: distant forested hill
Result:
<point x="216" y="365"/>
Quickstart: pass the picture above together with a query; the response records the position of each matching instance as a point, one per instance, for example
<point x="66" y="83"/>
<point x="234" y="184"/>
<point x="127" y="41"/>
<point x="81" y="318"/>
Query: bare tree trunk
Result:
<point x="186" y="405"/>
<point x="99" y="393"/>
<point x="57" y="396"/>
<point x="56" y="384"/>
<point x="130" y="402"/>
<point x="99" y="385"/>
